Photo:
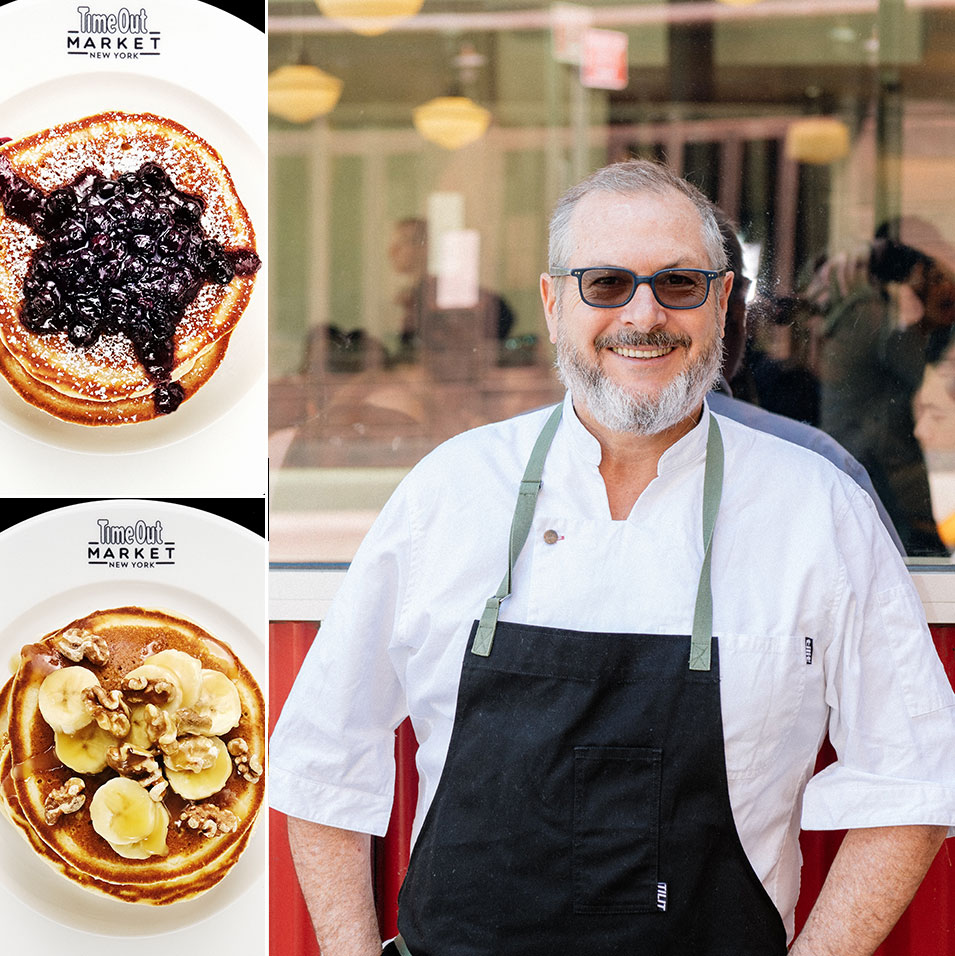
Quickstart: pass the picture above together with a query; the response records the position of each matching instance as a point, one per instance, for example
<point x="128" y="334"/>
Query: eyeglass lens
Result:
<point x="673" y="288"/>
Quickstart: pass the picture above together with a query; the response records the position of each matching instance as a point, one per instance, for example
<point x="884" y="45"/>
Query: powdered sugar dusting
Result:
<point x="117" y="143"/>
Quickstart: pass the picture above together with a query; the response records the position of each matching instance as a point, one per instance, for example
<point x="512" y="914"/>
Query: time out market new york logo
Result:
<point x="123" y="34"/>
<point x="142" y="544"/>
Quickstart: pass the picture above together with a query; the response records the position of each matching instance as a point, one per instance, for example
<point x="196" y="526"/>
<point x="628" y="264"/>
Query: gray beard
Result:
<point x="619" y="410"/>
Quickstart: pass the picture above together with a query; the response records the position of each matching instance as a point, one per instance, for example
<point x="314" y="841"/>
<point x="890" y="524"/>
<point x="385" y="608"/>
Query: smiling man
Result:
<point x="641" y="343"/>
<point x="617" y="741"/>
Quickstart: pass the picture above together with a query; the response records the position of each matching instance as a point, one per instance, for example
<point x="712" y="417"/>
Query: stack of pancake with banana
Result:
<point x="132" y="754"/>
<point x="126" y="260"/>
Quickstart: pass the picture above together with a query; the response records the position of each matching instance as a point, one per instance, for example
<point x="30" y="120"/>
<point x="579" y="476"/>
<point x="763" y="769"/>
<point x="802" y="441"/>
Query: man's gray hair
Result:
<point x="628" y="178"/>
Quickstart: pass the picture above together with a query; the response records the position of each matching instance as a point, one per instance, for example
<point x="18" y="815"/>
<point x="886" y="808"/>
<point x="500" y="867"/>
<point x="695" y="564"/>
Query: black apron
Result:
<point x="583" y="805"/>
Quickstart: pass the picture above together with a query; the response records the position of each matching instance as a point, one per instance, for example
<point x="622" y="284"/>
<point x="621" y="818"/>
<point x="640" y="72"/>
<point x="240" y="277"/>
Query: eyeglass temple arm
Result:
<point x="558" y="271"/>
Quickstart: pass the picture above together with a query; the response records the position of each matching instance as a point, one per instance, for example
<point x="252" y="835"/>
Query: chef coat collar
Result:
<point x="686" y="450"/>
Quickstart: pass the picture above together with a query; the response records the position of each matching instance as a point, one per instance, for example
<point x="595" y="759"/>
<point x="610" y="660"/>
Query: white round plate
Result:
<point x="214" y="575"/>
<point x="68" y="98"/>
<point x="213" y="52"/>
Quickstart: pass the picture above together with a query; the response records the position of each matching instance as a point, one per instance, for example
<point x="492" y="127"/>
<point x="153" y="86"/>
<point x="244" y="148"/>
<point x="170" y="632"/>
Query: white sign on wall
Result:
<point x="445" y="214"/>
<point x="603" y="64"/>
<point x="458" y="269"/>
<point x="569" y="23"/>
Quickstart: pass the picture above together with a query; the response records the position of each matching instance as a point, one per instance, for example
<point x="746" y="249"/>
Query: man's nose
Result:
<point x="643" y="311"/>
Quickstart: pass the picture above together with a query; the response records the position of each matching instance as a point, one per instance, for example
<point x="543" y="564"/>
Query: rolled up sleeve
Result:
<point x="891" y="707"/>
<point x="332" y="750"/>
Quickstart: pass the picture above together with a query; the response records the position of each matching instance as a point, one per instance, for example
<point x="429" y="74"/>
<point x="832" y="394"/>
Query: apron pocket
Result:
<point x="616" y="829"/>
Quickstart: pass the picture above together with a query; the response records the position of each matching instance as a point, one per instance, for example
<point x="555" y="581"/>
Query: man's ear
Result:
<point x="724" y="297"/>
<point x="549" y="291"/>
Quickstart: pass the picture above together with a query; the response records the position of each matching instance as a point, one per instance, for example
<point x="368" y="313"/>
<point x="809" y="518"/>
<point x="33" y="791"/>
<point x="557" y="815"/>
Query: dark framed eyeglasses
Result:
<point x="611" y="288"/>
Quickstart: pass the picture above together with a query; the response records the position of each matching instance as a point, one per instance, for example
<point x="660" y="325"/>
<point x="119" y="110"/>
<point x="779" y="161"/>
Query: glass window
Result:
<point x="414" y="164"/>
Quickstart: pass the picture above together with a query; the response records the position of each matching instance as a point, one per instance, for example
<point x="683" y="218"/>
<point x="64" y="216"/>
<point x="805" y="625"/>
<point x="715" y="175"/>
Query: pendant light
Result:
<point x="455" y="120"/>
<point x="299" y="93"/>
<point x="451" y="121"/>
<point x="817" y="140"/>
<point x="369" y="17"/>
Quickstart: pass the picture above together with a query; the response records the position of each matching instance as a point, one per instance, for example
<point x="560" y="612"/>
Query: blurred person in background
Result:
<point x="424" y="322"/>
<point x="735" y="353"/>
<point x="883" y="315"/>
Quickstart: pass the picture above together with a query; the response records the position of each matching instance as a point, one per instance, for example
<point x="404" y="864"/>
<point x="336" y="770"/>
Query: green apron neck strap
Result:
<point x="520" y="527"/>
<point x="701" y="636"/>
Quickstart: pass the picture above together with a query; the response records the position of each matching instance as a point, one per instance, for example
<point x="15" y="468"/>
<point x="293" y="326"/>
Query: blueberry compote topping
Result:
<point x="125" y="255"/>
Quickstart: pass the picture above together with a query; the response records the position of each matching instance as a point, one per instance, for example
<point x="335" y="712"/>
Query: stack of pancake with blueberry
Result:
<point x="132" y="754"/>
<point x="126" y="260"/>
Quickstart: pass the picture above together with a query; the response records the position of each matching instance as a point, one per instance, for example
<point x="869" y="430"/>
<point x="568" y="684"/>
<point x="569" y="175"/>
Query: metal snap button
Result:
<point x="551" y="536"/>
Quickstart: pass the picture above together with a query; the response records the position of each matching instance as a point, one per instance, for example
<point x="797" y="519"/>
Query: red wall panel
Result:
<point x="290" y="929"/>
<point x="926" y="929"/>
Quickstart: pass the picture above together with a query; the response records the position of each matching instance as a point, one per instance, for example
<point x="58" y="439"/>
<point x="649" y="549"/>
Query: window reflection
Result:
<point x="884" y="314"/>
<point x="404" y="275"/>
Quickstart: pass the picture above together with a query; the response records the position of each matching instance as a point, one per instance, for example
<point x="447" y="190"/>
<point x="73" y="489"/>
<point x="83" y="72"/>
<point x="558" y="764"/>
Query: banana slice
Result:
<point x="61" y="698"/>
<point x="122" y="812"/>
<point x="154" y="673"/>
<point x="152" y="845"/>
<point x="188" y="670"/>
<point x="218" y="699"/>
<point x="84" y="751"/>
<point x="138" y="736"/>
<point x="198" y="786"/>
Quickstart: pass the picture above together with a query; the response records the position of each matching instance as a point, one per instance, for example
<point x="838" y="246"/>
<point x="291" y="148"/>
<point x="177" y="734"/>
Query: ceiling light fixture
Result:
<point x="369" y="17"/>
<point x="451" y="121"/>
<point x="300" y="93"/>
<point x="818" y="140"/>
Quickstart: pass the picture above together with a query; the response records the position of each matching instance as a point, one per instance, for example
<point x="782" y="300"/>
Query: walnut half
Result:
<point x="247" y="765"/>
<point x="160" y="726"/>
<point x="66" y="799"/>
<point x="189" y="722"/>
<point x="147" y="690"/>
<point x="190" y="753"/>
<point x="75" y="644"/>
<point x="208" y="819"/>
<point x="139" y="765"/>
<point x="108" y="709"/>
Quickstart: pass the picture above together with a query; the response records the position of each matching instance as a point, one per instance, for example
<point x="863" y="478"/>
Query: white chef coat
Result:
<point x="819" y="629"/>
